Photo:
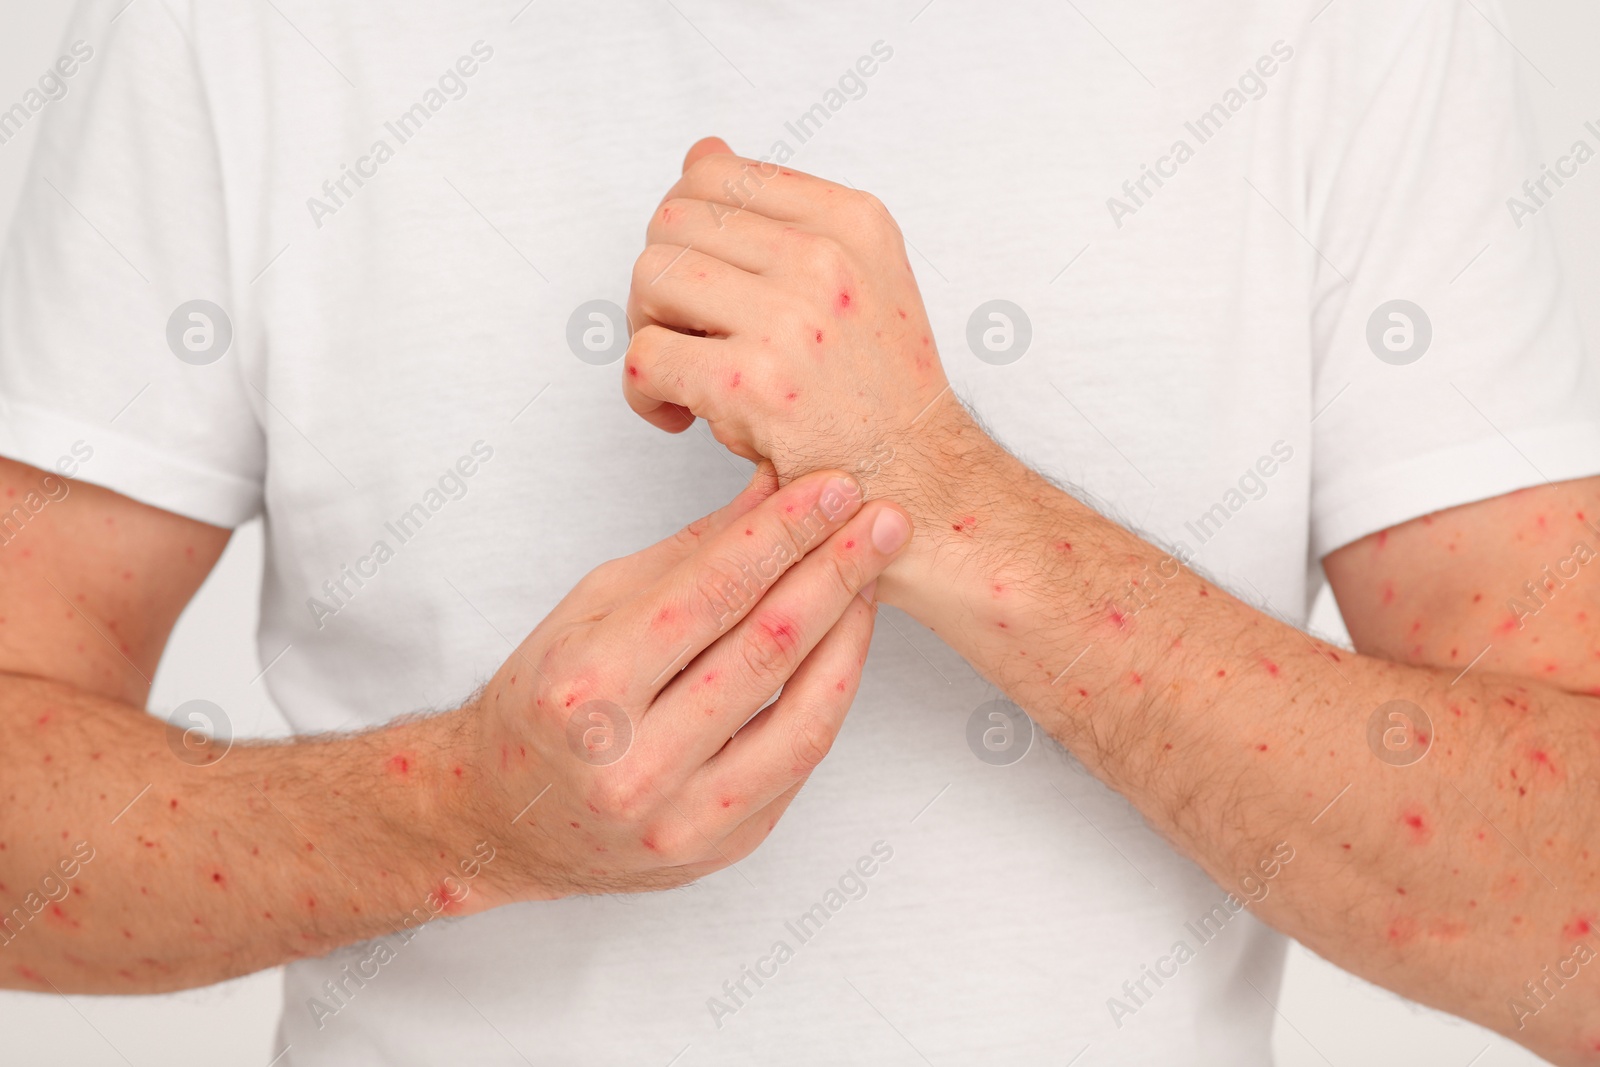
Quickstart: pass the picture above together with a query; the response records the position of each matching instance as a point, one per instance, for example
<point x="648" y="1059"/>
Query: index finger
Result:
<point x="688" y="608"/>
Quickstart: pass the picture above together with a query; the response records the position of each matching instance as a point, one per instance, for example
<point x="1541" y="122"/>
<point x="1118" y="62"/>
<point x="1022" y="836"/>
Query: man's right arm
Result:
<point x="126" y="869"/>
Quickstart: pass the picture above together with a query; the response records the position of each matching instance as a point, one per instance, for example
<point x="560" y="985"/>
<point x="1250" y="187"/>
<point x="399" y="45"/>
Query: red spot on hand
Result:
<point x="737" y="378"/>
<point x="817" y="337"/>
<point x="633" y="372"/>
<point x="843" y="303"/>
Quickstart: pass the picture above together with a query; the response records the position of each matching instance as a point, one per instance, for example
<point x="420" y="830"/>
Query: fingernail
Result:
<point x="889" y="531"/>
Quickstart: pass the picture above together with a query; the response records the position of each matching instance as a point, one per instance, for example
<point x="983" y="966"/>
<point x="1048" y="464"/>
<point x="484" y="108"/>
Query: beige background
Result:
<point x="1327" y="1017"/>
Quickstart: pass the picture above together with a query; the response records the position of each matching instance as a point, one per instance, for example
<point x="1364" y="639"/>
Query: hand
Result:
<point x="781" y="309"/>
<point x="628" y="711"/>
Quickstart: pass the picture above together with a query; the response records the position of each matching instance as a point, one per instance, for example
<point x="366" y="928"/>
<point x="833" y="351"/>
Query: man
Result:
<point x="1221" y="268"/>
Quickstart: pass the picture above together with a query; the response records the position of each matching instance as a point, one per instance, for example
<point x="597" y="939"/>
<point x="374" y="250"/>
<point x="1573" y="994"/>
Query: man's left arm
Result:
<point x="781" y="309"/>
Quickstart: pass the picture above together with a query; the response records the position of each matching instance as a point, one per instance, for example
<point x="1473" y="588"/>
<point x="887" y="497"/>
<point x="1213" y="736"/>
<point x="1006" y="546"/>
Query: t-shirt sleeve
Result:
<point x="116" y="292"/>
<point x="1449" y="364"/>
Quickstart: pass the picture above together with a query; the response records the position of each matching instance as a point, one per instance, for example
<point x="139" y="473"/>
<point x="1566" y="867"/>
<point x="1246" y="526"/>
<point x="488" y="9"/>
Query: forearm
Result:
<point x="126" y="869"/>
<point x="1453" y="880"/>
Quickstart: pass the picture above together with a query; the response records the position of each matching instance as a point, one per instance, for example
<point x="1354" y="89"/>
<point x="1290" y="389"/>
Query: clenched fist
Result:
<point x="781" y="309"/>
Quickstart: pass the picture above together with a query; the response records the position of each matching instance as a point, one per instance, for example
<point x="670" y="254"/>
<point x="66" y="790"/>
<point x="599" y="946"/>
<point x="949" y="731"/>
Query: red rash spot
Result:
<point x="749" y="533"/>
<point x="1507" y="626"/>
<point x="1383" y="538"/>
<point x="1477" y="597"/>
<point x="1388" y="592"/>
<point x="843" y="302"/>
<point x="648" y="842"/>
<point x="790" y="396"/>
<point x="1345" y="846"/>
<point x="900" y="312"/>
<point x="1083" y="692"/>
<point x="633" y="372"/>
<point x="1204" y="593"/>
<point x="399" y="765"/>
<point x="666" y="214"/>
<point x="1222" y="674"/>
<point x="1272" y="668"/>
<point x="780" y="632"/>
<point x="727" y="802"/>
<point x="1578" y="927"/>
<point x="840" y="686"/>
<point x="1063" y="546"/>
<point x="29" y="974"/>
<point x="1134" y="679"/>
<point x="737" y="378"/>
<point x="216" y="877"/>
<point x="1261" y="748"/>
<point x="456" y="771"/>
<point x="1416" y="821"/>
<point x="817" y="337"/>
<point x="1112" y="613"/>
<point x="575" y="826"/>
<point x="174" y="803"/>
<point x="849" y="544"/>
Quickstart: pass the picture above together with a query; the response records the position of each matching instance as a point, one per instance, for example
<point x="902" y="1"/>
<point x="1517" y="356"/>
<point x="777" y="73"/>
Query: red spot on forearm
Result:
<point x="399" y="765"/>
<point x="1272" y="668"/>
<point x="1416" y="822"/>
<point x="842" y="304"/>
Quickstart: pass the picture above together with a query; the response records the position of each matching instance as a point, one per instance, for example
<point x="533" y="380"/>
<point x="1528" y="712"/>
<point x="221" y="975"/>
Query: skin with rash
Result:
<point x="1464" y="881"/>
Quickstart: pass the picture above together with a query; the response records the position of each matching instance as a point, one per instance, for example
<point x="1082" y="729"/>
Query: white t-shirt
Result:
<point x="1202" y="207"/>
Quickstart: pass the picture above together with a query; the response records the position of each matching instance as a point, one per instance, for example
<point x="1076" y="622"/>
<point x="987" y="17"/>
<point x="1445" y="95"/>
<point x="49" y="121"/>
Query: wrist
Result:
<point x="950" y="476"/>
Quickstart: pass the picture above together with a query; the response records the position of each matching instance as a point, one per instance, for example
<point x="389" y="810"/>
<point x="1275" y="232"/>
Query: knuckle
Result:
<point x="810" y="740"/>
<point x="651" y="264"/>
<point x="823" y="256"/>
<point x="769" y="645"/>
<point x="621" y="795"/>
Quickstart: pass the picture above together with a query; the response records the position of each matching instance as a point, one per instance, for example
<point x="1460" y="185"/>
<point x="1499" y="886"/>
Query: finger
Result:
<point x="655" y="560"/>
<point x="711" y="590"/>
<point x="715" y="695"/>
<point x="664" y="374"/>
<point x="765" y="188"/>
<point x="686" y="289"/>
<point x="706" y="146"/>
<point x="619" y="579"/>
<point x="743" y="239"/>
<point x="783" y="744"/>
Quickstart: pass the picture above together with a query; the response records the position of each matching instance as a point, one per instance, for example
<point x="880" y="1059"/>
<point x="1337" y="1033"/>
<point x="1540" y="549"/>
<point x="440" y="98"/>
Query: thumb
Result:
<point x="706" y="146"/>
